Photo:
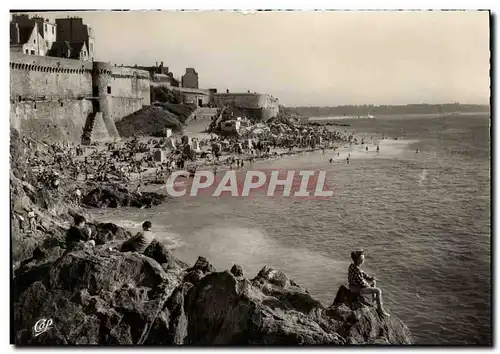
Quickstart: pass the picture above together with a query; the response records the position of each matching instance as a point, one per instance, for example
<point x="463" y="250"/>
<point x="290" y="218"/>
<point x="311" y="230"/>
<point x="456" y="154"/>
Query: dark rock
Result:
<point x="237" y="271"/>
<point x="201" y="268"/>
<point x="162" y="255"/>
<point x="94" y="297"/>
<point x="291" y="296"/>
<point x="352" y="300"/>
<point x="114" y="196"/>
<point x="106" y="232"/>
<point x="203" y="265"/>
<point x="223" y="310"/>
<point x="361" y="322"/>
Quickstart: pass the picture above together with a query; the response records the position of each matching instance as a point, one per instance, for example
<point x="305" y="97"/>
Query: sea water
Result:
<point x="423" y="220"/>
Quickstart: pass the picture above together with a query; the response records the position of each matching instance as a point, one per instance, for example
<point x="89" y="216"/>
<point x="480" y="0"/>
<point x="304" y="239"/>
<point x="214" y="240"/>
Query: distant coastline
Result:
<point x="403" y="115"/>
<point x="350" y="111"/>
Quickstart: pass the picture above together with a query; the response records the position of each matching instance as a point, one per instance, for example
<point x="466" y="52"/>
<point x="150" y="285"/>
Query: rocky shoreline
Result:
<point x="100" y="296"/>
<point x="97" y="295"/>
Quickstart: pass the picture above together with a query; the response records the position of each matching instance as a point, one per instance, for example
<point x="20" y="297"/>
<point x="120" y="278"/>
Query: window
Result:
<point x="91" y="47"/>
<point x="109" y="89"/>
<point x="45" y="28"/>
<point x="27" y="51"/>
<point x="47" y="44"/>
<point x="32" y="52"/>
<point x="52" y="29"/>
<point x="34" y="41"/>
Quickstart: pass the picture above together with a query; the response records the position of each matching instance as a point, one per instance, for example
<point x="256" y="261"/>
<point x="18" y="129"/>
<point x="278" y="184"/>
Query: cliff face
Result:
<point x="100" y="296"/>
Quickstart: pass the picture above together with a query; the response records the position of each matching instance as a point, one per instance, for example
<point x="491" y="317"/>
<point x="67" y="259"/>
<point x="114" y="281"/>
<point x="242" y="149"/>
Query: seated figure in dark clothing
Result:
<point x="77" y="232"/>
<point x="140" y="241"/>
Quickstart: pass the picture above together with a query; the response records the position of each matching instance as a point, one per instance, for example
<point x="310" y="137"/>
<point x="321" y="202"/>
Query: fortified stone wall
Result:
<point x="49" y="78"/>
<point x="258" y="106"/>
<point x="131" y="83"/>
<point x="123" y="106"/>
<point x="50" y="120"/>
<point x="58" y="97"/>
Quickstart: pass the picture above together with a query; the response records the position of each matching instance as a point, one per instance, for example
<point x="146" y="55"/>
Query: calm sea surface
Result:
<point x="423" y="219"/>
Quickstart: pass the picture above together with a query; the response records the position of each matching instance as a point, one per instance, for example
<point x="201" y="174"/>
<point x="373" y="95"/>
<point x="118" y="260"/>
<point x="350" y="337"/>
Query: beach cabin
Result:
<point x="195" y="145"/>
<point x="159" y="156"/>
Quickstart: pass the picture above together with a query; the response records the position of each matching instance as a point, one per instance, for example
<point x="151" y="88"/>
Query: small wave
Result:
<point x="423" y="177"/>
<point x="171" y="240"/>
<point x="128" y="224"/>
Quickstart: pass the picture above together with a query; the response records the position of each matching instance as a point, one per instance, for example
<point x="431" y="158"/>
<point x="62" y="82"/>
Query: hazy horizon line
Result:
<point x="390" y="105"/>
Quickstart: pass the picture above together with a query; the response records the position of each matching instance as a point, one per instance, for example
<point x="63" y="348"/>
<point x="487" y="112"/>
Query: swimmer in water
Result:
<point x="331" y="160"/>
<point x="378" y="148"/>
<point x="417" y="151"/>
<point x="347" y="160"/>
<point x="367" y="148"/>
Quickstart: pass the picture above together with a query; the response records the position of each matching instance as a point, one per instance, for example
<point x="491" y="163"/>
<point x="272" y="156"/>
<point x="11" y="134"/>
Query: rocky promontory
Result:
<point x="97" y="295"/>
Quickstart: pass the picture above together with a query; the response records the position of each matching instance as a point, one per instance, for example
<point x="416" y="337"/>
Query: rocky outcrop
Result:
<point x="114" y="196"/>
<point x="101" y="296"/>
<point x="97" y="295"/>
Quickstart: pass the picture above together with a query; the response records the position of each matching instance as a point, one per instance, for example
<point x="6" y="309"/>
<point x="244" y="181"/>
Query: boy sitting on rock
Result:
<point x="141" y="241"/>
<point x="359" y="281"/>
<point x="78" y="232"/>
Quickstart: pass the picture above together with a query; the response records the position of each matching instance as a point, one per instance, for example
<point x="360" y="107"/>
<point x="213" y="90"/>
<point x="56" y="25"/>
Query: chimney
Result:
<point x="17" y="36"/>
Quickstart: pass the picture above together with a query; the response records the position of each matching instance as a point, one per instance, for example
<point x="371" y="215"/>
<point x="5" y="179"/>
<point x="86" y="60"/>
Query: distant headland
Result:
<point x="362" y="110"/>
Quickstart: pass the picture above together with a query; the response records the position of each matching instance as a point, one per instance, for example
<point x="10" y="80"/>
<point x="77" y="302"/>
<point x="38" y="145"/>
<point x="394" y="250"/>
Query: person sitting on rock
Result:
<point x="140" y="241"/>
<point x="359" y="280"/>
<point x="78" y="232"/>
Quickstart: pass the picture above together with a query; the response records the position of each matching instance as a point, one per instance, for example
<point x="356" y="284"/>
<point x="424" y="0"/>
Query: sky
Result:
<point x="309" y="58"/>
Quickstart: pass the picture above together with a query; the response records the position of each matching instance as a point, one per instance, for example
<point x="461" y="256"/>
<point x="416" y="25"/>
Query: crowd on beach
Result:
<point x="139" y="161"/>
<point x="71" y="170"/>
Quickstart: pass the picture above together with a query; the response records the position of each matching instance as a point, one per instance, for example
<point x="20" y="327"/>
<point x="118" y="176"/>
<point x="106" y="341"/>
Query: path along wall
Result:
<point x="53" y="98"/>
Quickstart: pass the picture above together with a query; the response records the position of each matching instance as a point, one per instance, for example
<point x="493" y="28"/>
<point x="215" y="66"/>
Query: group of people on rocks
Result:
<point x="360" y="283"/>
<point x="81" y="234"/>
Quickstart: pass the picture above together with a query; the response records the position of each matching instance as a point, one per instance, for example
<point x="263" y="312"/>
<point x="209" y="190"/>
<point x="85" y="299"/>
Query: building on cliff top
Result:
<point x="67" y="38"/>
<point x="190" y="79"/>
<point x="73" y="30"/>
<point x="32" y="36"/>
<point x="160" y="74"/>
<point x="65" y="49"/>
